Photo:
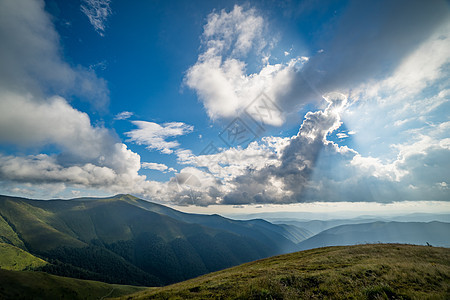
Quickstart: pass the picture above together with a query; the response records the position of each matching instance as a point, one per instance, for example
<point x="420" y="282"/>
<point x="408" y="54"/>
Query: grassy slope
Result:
<point x="38" y="285"/>
<point x="13" y="258"/>
<point x="46" y="225"/>
<point x="380" y="271"/>
<point x="32" y="225"/>
<point x="8" y="235"/>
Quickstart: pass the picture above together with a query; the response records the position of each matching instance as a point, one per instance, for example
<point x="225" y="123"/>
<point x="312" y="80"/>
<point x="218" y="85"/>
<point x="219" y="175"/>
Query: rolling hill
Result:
<point x="434" y="233"/>
<point x="38" y="285"/>
<point x="382" y="271"/>
<point x="127" y="240"/>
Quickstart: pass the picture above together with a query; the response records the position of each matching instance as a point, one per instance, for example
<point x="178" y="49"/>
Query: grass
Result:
<point x="7" y="234"/>
<point x="32" y="225"/>
<point x="381" y="271"/>
<point x="38" y="285"/>
<point x="13" y="258"/>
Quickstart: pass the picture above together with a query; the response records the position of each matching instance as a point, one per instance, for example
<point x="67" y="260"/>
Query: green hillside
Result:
<point x="380" y="271"/>
<point x="126" y="240"/>
<point x="38" y="285"/>
<point x="16" y="259"/>
<point x="8" y="235"/>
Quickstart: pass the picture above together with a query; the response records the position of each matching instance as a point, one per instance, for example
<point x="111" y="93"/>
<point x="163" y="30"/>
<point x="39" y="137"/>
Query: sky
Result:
<point x="214" y="106"/>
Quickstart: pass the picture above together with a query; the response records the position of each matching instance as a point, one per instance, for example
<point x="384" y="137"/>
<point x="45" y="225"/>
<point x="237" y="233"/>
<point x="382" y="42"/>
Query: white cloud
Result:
<point x="88" y="155"/>
<point x="123" y="115"/>
<point x="219" y="76"/>
<point x="230" y="163"/>
<point x="117" y="174"/>
<point x="28" y="121"/>
<point x="401" y="151"/>
<point x="31" y="66"/>
<point x="31" y="61"/>
<point x="375" y="167"/>
<point x="154" y="135"/>
<point x="389" y="163"/>
<point x="98" y="12"/>
<point x="240" y="28"/>
<point x="157" y="166"/>
<point x="276" y="170"/>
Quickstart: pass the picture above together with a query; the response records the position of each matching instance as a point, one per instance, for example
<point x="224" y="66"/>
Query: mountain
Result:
<point x="316" y="226"/>
<point x="434" y="233"/>
<point x="275" y="217"/>
<point x="127" y="240"/>
<point x="378" y="271"/>
<point x="17" y="285"/>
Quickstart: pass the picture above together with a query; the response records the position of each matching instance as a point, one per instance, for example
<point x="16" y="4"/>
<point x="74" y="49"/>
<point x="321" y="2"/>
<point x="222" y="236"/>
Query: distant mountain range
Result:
<point x="434" y="233"/>
<point x="127" y="240"/>
<point x="308" y="216"/>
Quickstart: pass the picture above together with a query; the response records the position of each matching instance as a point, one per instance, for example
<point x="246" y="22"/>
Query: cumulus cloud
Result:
<point x="30" y="121"/>
<point x="285" y="182"/>
<point x="154" y="135"/>
<point x="412" y="164"/>
<point x="156" y="166"/>
<point x="365" y="46"/>
<point x="98" y="12"/>
<point x="384" y="64"/>
<point x="220" y="77"/>
<point x="274" y="170"/>
<point x="88" y="154"/>
<point x="31" y="68"/>
<point x="230" y="163"/>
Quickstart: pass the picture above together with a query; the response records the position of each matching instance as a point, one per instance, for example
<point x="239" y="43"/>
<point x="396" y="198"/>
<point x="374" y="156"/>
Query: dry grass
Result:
<point x="382" y="271"/>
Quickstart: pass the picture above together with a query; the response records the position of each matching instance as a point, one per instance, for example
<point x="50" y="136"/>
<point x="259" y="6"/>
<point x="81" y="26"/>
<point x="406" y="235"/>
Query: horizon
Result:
<point x="235" y="107"/>
<point x="305" y="211"/>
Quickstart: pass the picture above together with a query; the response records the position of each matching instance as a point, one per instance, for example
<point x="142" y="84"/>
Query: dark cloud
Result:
<point x="368" y="41"/>
<point x="298" y="161"/>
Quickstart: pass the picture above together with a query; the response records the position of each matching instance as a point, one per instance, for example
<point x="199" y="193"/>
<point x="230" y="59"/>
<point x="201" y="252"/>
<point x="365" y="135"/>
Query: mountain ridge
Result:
<point x="434" y="233"/>
<point x="143" y="238"/>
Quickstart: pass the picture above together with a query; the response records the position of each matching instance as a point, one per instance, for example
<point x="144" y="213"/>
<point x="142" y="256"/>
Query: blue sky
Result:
<point x="226" y="103"/>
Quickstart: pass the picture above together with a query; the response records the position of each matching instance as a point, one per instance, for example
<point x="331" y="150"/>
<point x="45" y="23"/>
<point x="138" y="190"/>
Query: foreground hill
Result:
<point x="380" y="271"/>
<point x="434" y="233"/>
<point x="38" y="285"/>
<point x="127" y="240"/>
